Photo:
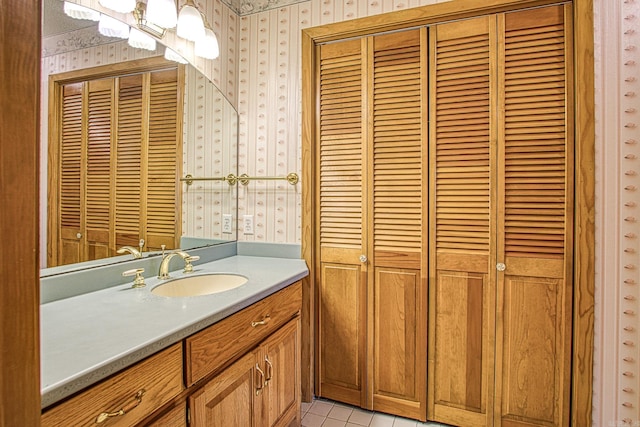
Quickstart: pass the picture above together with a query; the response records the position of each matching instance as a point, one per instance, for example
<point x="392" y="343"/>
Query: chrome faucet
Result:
<point x="163" y="273"/>
<point x="133" y="251"/>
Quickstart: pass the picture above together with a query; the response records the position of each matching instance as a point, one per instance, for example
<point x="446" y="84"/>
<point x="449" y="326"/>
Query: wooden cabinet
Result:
<point x="242" y="371"/>
<point x="371" y="245"/>
<point x="126" y="398"/>
<point x="261" y="389"/>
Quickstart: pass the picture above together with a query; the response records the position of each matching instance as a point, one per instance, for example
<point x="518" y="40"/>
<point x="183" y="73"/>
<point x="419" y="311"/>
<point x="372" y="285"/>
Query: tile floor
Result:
<point x="326" y="413"/>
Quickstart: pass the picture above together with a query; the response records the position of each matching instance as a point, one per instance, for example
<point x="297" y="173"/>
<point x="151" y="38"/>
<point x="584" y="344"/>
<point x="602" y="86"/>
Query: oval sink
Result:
<point x="204" y="284"/>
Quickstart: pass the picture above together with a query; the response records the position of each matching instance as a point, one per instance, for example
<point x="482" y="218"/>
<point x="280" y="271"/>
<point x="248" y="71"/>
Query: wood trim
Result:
<point x="19" y="174"/>
<point x="584" y="231"/>
<point x="308" y="253"/>
<point x="584" y="234"/>
<point x="413" y="17"/>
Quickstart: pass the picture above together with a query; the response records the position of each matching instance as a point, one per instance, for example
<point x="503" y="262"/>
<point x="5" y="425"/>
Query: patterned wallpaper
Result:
<point x="262" y="77"/>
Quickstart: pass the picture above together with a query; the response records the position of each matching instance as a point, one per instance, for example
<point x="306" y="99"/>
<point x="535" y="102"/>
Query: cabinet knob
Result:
<point x="363" y="258"/>
<point x="79" y="235"/>
<point x="501" y="267"/>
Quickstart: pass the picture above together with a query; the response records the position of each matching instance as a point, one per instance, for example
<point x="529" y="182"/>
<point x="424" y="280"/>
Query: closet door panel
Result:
<point x="128" y="185"/>
<point x="71" y="174"/>
<point x="397" y="191"/>
<point x="536" y="185"/>
<point x="341" y="291"/>
<point x="98" y="197"/>
<point x="462" y="183"/>
<point x="162" y="188"/>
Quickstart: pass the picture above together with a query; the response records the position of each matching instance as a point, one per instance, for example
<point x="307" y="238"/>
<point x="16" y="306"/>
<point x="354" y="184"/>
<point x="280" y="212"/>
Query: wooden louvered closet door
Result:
<point x="372" y="284"/>
<point x="535" y="181"/>
<point x="117" y="141"/>
<point x="501" y="255"/>
<point x="462" y="218"/>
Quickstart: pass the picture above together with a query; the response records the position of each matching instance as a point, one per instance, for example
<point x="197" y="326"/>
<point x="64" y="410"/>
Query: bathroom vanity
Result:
<point x="124" y="356"/>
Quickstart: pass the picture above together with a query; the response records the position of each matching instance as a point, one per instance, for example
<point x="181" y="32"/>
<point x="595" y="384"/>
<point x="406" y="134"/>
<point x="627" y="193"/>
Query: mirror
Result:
<point x="210" y="131"/>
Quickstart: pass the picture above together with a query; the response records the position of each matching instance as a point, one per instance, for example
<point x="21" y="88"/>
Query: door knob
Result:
<point x="363" y="258"/>
<point x="501" y="267"/>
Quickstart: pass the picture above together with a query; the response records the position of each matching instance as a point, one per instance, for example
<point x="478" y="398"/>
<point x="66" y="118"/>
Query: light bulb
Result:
<point x="172" y="55"/>
<point x="121" y="6"/>
<point x="162" y="13"/>
<point x="111" y="27"/>
<point x="207" y="46"/>
<point x="140" y="40"/>
<point x="190" y="24"/>
<point x="78" y="11"/>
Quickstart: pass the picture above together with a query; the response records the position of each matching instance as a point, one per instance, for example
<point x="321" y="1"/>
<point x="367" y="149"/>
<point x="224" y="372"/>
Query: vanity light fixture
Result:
<point x="140" y="40"/>
<point x="111" y="27"/>
<point x="162" y="13"/>
<point x="172" y="55"/>
<point x="78" y="11"/>
<point x="190" y="24"/>
<point x="121" y="6"/>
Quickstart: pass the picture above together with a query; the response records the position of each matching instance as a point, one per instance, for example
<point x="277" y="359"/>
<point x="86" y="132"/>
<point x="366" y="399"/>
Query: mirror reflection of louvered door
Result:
<point x="372" y="285"/>
<point x="501" y="264"/>
<point x="117" y="142"/>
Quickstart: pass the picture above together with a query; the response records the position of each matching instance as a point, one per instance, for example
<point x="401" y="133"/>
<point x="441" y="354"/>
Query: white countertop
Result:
<point x="88" y="337"/>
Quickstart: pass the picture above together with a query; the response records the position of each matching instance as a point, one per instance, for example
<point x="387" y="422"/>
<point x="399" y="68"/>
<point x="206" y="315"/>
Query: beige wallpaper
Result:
<point x="262" y="76"/>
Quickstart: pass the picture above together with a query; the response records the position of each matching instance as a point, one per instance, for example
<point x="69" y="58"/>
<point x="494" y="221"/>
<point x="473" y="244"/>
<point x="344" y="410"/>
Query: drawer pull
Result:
<point x="106" y="415"/>
<point x="268" y="369"/>
<point x="260" y="380"/>
<point x="264" y="321"/>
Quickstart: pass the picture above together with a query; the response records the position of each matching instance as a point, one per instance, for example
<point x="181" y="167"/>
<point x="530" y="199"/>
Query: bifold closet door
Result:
<point x="535" y="244"/>
<point x="371" y="198"/>
<point x="502" y="215"/>
<point x="341" y="285"/>
<point x="462" y="219"/>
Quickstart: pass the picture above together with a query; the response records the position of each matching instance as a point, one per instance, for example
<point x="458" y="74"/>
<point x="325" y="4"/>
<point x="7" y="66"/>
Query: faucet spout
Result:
<point x="163" y="273"/>
<point x="133" y="251"/>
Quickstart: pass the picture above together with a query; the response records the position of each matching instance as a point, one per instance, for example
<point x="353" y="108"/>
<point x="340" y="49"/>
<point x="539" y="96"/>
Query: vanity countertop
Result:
<point x="88" y="337"/>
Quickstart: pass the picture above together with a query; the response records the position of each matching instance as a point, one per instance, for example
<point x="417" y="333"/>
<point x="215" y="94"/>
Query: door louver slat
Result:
<point x="462" y="144"/>
<point x="397" y="147"/>
<point x="340" y="152"/>
<point x="535" y="138"/>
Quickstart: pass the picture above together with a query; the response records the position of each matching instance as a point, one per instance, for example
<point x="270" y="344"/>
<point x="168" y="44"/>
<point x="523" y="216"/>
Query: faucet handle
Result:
<point x="188" y="268"/>
<point x="138" y="282"/>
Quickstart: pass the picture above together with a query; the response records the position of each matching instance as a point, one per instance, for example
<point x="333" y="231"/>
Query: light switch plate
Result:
<point x="247" y="224"/>
<point x="227" y="226"/>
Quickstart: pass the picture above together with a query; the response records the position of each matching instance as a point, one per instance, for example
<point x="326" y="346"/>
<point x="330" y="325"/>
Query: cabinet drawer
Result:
<point x="222" y="343"/>
<point x="160" y="376"/>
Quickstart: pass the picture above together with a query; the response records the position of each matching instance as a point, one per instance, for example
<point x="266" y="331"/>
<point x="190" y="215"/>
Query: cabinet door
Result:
<point x="533" y="363"/>
<point x="228" y="399"/>
<point x="341" y="288"/>
<point x="280" y="356"/>
<point x="462" y="217"/>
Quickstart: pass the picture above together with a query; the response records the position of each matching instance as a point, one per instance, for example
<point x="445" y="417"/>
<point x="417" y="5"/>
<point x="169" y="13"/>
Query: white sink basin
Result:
<point x="204" y="284"/>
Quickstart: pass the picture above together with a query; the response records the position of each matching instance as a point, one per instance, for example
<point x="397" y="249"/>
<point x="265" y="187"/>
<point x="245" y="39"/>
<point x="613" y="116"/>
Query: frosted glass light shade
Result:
<point x="78" y="11"/>
<point x="172" y="55"/>
<point x="111" y="27"/>
<point x="190" y="24"/>
<point x="162" y="13"/>
<point x="122" y="6"/>
<point x="140" y="40"/>
<point x="207" y="46"/>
